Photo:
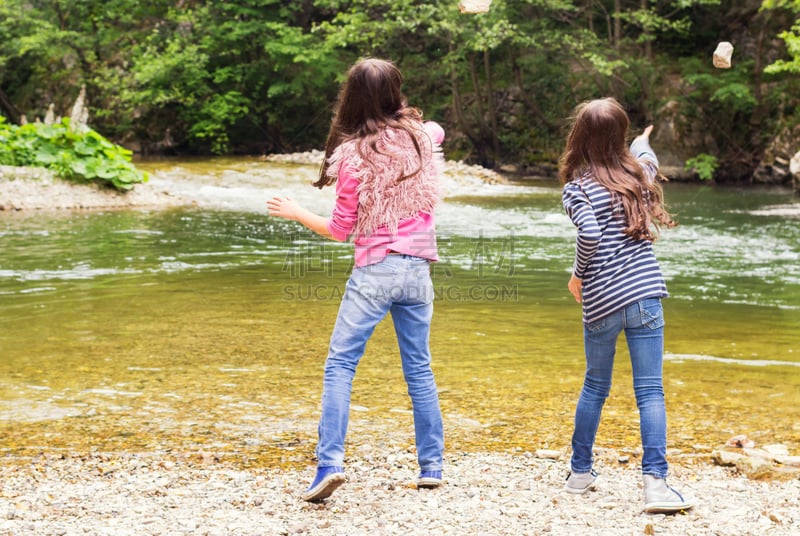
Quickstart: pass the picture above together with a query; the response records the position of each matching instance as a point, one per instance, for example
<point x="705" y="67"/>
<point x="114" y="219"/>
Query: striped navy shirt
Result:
<point x="616" y="270"/>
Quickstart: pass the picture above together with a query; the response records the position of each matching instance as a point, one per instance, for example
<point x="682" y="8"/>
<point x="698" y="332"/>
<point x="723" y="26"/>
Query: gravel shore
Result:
<point x="485" y="493"/>
<point x="39" y="189"/>
<point x="24" y="188"/>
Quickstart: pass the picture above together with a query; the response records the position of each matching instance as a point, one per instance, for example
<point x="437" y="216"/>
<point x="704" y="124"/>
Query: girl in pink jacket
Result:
<point x="386" y="164"/>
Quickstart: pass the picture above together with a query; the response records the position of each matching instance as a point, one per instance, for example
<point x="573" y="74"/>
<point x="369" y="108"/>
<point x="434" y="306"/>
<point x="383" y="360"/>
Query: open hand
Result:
<point x="283" y="207"/>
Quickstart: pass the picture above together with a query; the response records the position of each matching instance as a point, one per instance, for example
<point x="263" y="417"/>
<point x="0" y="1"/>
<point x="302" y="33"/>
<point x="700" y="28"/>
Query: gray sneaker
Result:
<point x="580" y="482"/>
<point x="659" y="498"/>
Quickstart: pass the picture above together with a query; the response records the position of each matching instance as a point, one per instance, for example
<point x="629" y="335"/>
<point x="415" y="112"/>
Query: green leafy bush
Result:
<point x="704" y="165"/>
<point x="83" y="156"/>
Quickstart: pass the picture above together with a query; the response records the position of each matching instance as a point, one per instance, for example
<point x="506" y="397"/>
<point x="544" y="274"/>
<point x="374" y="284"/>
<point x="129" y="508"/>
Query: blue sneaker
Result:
<point x="327" y="480"/>
<point x="429" y="479"/>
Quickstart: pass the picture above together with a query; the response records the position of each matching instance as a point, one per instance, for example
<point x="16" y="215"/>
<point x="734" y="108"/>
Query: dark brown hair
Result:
<point x="370" y="99"/>
<point x="597" y="144"/>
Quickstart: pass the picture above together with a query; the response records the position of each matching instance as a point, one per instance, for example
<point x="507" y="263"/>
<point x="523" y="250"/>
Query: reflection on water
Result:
<point x="206" y="328"/>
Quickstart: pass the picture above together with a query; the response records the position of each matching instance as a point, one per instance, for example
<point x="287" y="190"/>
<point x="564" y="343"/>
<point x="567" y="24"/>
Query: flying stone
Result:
<point x="722" y="55"/>
<point x="474" y="6"/>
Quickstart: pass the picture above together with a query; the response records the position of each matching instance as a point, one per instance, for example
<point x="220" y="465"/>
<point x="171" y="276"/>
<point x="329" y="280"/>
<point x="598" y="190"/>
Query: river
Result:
<point x="206" y="328"/>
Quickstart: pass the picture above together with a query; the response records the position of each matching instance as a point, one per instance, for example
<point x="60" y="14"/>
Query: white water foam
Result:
<point x="81" y="271"/>
<point x="248" y="187"/>
<point x="728" y="360"/>
<point x="785" y="211"/>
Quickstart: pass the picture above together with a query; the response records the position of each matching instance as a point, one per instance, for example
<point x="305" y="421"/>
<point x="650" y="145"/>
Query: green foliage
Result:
<point x="79" y="156"/>
<point x="729" y="90"/>
<point x="220" y="75"/>
<point x="791" y="38"/>
<point x="721" y="108"/>
<point x="262" y="75"/>
<point x="736" y="95"/>
<point x="704" y="165"/>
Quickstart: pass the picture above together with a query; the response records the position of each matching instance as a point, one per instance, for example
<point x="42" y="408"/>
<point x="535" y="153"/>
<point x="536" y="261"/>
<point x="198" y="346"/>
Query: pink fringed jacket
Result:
<point x="383" y="214"/>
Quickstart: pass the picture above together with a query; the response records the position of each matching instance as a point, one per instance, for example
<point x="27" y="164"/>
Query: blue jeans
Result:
<point x="400" y="284"/>
<point x="643" y="323"/>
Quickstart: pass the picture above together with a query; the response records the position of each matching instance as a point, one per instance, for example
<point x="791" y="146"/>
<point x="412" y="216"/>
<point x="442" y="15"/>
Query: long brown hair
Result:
<point x="597" y="144"/>
<point x="370" y="100"/>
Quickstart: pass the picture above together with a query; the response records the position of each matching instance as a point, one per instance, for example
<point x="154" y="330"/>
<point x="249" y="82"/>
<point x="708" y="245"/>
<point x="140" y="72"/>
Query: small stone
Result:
<point x="740" y="441"/>
<point x="792" y="461"/>
<point x="722" y="55"/>
<point x="548" y="454"/>
<point x="725" y="458"/>
<point x="754" y="467"/>
<point x="474" y="6"/>
<point x="299" y="528"/>
<point x="777" y="449"/>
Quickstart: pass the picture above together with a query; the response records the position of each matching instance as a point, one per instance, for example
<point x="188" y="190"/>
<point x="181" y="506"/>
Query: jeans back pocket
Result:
<point x="652" y="313"/>
<point x="597" y="325"/>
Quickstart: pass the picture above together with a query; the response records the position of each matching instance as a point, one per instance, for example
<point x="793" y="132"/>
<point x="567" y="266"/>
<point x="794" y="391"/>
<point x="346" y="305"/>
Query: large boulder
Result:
<point x="675" y="140"/>
<point x="794" y="169"/>
<point x="776" y="167"/>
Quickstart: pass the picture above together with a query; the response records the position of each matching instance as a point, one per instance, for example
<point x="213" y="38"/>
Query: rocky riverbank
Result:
<point x="487" y="493"/>
<point x="38" y="188"/>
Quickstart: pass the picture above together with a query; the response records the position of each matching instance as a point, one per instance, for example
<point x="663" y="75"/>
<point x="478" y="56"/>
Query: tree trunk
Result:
<point x="491" y="104"/>
<point x="458" y="109"/>
<point x="648" y="44"/>
<point x="483" y="129"/>
<point x="530" y="103"/>
<point x="476" y="87"/>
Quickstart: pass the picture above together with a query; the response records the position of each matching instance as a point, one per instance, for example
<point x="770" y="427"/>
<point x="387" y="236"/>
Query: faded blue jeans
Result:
<point x="400" y="284"/>
<point x="643" y="324"/>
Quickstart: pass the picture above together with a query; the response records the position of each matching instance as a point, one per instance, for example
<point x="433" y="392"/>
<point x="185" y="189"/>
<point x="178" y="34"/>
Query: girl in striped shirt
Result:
<point x="612" y="195"/>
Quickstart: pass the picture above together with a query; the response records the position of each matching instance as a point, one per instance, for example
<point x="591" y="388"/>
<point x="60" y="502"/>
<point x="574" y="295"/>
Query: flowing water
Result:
<point x="205" y="329"/>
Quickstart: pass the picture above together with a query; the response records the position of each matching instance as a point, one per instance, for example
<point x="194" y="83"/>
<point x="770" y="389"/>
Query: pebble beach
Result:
<point x="38" y="189"/>
<point x="484" y="494"/>
<point x="56" y="493"/>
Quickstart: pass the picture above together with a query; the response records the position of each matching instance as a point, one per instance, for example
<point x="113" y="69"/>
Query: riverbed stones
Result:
<point x="23" y="188"/>
<point x="484" y="493"/>
<point x="548" y="454"/>
<point x="768" y="461"/>
<point x="313" y="157"/>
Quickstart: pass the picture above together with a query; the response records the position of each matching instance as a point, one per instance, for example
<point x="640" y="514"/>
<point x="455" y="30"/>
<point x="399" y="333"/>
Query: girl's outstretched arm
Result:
<point x="288" y="208"/>
<point x="641" y="150"/>
<point x="646" y="133"/>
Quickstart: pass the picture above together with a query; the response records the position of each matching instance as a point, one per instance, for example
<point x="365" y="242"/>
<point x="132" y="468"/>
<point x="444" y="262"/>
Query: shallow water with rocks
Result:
<point x="150" y="386"/>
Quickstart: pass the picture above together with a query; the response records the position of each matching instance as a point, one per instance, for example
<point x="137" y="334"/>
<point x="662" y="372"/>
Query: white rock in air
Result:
<point x="722" y="55"/>
<point x="474" y="6"/>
